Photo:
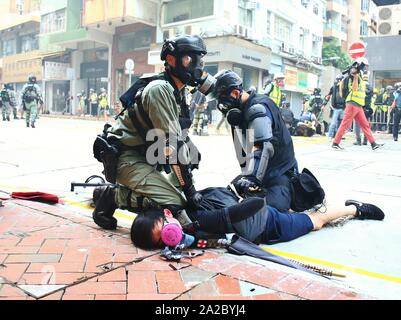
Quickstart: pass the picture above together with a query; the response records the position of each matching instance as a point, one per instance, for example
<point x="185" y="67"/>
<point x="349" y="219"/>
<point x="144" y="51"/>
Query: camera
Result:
<point x="356" y="65"/>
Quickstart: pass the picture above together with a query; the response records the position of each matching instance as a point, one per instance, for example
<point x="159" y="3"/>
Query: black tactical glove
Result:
<point x="243" y="184"/>
<point x="194" y="198"/>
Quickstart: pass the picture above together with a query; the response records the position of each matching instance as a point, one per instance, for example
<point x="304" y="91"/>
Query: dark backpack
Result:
<point x="306" y="191"/>
<point x="30" y="94"/>
<point x="5" y="97"/>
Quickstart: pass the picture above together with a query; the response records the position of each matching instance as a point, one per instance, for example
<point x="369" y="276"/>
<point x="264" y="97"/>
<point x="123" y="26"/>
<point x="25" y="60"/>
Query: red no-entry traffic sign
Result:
<point x="357" y="50"/>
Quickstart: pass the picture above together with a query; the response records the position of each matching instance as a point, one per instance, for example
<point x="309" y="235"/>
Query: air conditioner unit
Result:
<point x="243" y="32"/>
<point x="317" y="60"/>
<point x="251" y="5"/>
<point x="389" y="21"/>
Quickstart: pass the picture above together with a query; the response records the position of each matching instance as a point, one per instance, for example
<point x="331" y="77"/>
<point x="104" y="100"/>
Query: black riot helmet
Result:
<point x="32" y="79"/>
<point x="317" y="91"/>
<point x="189" y="52"/>
<point x="9" y="86"/>
<point x="226" y="82"/>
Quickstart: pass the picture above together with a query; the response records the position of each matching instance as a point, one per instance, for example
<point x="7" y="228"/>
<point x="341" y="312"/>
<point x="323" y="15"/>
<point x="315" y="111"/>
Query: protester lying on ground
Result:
<point x="261" y="223"/>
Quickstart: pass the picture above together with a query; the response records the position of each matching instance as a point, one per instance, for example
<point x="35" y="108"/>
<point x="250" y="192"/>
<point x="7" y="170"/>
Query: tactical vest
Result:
<point x="284" y="156"/>
<point x="4" y="96"/>
<point x="276" y="95"/>
<point x="359" y="96"/>
<point x="30" y="94"/>
<point x="136" y="117"/>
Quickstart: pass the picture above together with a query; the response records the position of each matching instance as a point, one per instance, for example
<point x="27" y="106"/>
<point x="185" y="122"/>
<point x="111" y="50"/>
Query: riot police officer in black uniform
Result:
<point x="265" y="141"/>
<point x="154" y="105"/>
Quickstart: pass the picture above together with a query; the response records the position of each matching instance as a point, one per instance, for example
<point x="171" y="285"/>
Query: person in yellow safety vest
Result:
<point x="104" y="108"/>
<point x="93" y="102"/>
<point x="353" y="90"/>
<point x="81" y="103"/>
<point x="274" y="89"/>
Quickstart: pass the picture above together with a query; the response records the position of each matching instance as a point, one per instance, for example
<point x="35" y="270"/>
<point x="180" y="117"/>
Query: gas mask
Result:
<point x="231" y="108"/>
<point x="189" y="68"/>
<point x="172" y="235"/>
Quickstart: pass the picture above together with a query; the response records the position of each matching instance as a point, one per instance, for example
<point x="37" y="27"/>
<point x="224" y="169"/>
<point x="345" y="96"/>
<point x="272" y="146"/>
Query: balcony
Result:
<point x="339" y="6"/>
<point x="334" y="30"/>
<point x="117" y="13"/>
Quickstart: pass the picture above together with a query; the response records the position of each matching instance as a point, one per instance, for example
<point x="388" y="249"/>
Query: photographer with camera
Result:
<point x="353" y="90"/>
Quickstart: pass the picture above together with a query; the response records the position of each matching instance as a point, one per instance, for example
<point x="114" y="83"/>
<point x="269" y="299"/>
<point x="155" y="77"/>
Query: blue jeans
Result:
<point x="337" y="114"/>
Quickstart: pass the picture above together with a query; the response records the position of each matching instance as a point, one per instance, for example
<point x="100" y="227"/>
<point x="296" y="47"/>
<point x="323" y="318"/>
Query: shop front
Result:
<point x="298" y="82"/>
<point x="57" y="78"/>
<point x="95" y="76"/>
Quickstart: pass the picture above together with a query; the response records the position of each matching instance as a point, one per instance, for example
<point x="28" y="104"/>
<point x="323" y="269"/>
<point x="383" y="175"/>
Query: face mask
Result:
<point x="281" y="83"/>
<point x="173" y="236"/>
<point x="232" y="109"/>
<point x="189" y="68"/>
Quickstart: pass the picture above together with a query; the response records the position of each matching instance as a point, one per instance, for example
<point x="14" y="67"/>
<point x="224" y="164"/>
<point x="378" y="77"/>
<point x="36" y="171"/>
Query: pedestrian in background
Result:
<point x="337" y="106"/>
<point x="81" y="103"/>
<point x="31" y="99"/>
<point x="8" y="102"/>
<point x="199" y="115"/>
<point x="396" y="109"/>
<point x="368" y="113"/>
<point x="353" y="90"/>
<point x="274" y="89"/>
<point x="104" y="107"/>
<point x="93" y="102"/>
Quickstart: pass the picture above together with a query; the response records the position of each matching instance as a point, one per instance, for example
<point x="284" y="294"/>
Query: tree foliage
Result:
<point x="333" y="55"/>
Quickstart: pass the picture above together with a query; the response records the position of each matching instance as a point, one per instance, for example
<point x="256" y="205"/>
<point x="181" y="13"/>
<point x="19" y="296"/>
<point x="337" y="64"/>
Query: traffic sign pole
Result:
<point x="129" y="66"/>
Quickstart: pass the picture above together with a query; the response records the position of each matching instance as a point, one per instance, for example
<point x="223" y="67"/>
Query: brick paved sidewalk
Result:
<point x="50" y="252"/>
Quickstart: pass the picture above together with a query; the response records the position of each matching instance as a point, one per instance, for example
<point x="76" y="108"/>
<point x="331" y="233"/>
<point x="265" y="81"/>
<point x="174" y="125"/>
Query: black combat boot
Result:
<point x="33" y="125"/>
<point x="105" y="206"/>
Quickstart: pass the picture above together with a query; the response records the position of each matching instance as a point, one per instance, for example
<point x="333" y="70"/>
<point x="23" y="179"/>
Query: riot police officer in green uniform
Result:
<point x="159" y="110"/>
<point x="8" y="101"/>
<point x="31" y="99"/>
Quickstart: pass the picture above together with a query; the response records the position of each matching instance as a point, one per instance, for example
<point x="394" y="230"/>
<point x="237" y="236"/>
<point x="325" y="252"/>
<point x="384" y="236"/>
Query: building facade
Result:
<point x="19" y="46"/>
<point x="254" y="38"/>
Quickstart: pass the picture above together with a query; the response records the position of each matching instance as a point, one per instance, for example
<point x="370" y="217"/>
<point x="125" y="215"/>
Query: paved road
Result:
<point x="59" y="151"/>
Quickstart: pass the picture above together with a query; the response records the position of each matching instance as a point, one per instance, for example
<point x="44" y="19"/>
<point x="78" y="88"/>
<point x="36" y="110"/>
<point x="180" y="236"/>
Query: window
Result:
<point x="268" y="23"/>
<point x="9" y="47"/>
<point x="365" y="5"/>
<point x="138" y="40"/>
<point x="53" y="22"/>
<point x="282" y="29"/>
<point x="29" y="43"/>
<point x="182" y="10"/>
<point x="302" y="39"/>
<point x="245" y="17"/>
<point x="364" y="28"/>
<point x="316" y="9"/>
<point x="19" y="6"/>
